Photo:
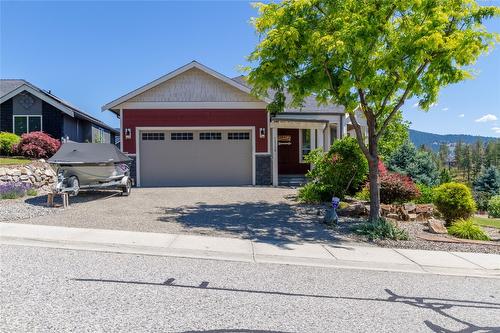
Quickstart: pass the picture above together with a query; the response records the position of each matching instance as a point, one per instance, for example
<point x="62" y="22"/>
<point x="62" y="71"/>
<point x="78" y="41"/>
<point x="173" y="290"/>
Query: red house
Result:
<point x="195" y="126"/>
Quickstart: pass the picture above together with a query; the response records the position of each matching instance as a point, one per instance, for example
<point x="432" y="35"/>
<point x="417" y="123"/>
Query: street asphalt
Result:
<point x="56" y="290"/>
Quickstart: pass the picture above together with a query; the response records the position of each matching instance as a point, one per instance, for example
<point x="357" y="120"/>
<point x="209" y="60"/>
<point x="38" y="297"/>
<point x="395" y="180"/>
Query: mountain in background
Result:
<point x="433" y="141"/>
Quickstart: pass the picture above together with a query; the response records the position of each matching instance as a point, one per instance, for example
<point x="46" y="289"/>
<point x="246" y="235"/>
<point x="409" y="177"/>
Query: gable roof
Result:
<point x="308" y="105"/>
<point x="12" y="87"/>
<point x="194" y="64"/>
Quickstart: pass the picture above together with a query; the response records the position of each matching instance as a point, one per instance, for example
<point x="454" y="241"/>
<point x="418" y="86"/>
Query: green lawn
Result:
<point x="486" y="222"/>
<point x="14" y="161"/>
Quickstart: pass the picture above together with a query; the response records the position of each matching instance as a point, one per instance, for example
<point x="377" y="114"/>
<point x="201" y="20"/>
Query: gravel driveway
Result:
<point x="258" y="213"/>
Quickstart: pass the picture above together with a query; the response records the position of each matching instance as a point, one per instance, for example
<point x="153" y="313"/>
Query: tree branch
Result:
<point x="359" y="135"/>
<point x="402" y="99"/>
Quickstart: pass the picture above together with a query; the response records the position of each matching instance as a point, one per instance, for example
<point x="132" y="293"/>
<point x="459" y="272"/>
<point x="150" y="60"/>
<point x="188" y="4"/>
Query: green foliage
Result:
<point x="7" y="140"/>
<point x="454" y="201"/>
<point x="381" y="229"/>
<point x="395" y="136"/>
<point x="367" y="56"/>
<point x="418" y="164"/>
<point x="445" y="176"/>
<point x="468" y="230"/>
<point x="486" y="185"/>
<point x="364" y="194"/>
<point x="426" y="194"/>
<point x="31" y="192"/>
<point x="338" y="172"/>
<point x="494" y="206"/>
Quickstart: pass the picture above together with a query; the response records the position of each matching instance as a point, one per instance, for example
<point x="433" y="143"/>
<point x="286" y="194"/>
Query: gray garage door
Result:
<point x="191" y="158"/>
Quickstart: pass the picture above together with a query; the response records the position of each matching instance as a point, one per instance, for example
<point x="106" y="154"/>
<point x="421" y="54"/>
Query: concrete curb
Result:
<point x="232" y="249"/>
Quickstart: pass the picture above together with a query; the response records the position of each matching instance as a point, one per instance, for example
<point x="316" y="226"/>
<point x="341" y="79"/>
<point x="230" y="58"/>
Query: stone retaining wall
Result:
<point x="38" y="173"/>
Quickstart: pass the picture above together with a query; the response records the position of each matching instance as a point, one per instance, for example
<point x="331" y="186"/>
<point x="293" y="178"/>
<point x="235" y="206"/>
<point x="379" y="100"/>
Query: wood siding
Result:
<point x="192" y="118"/>
<point x="194" y="85"/>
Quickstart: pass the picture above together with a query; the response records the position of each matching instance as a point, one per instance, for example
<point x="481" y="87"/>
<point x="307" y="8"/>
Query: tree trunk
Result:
<point x="374" y="189"/>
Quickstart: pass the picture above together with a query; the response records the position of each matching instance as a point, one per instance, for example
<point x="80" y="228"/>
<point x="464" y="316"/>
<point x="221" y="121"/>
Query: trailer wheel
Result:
<point x="127" y="189"/>
<point x="74" y="183"/>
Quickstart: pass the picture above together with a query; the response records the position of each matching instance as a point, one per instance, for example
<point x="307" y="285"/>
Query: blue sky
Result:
<point x="89" y="53"/>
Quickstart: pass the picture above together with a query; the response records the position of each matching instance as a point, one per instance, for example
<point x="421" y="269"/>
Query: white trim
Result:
<point x="121" y="129"/>
<point x="252" y="130"/>
<point x="192" y="105"/>
<point x="40" y="95"/>
<point x="275" y="156"/>
<point x="27" y="121"/>
<point x="268" y="132"/>
<point x="294" y="124"/>
<point x="311" y="143"/>
<point x="172" y="74"/>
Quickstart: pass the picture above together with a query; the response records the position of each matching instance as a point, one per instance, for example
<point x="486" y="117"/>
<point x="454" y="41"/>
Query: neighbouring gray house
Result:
<point x="26" y="108"/>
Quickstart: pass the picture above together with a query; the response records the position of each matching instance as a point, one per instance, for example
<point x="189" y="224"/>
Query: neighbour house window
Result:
<point x="211" y="136"/>
<point x="153" y="136"/>
<point x="238" y="136"/>
<point x="26" y="124"/>
<point x="181" y="136"/>
<point x="305" y="143"/>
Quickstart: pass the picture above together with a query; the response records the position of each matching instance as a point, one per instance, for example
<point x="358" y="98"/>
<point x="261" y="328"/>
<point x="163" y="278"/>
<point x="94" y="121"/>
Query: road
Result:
<point x="55" y="290"/>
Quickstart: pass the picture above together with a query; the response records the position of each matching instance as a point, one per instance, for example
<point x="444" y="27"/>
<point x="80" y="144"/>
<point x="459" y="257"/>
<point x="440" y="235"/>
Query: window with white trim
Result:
<point x="25" y="124"/>
<point x="181" y="136"/>
<point x="210" y="136"/>
<point x="305" y="143"/>
<point x="238" y="136"/>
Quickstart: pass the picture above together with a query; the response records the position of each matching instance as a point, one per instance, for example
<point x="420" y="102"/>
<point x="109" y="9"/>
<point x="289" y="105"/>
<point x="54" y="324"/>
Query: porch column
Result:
<point x="313" y="138"/>
<point x="321" y="135"/>
<point x="327" y="134"/>
<point x="274" y="135"/>
<point x="339" y="131"/>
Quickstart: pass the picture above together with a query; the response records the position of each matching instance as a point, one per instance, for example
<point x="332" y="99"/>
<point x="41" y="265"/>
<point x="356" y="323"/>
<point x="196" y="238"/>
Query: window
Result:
<point x="181" y="136"/>
<point x="211" y="136"/>
<point x="333" y="134"/>
<point x="305" y="143"/>
<point x="153" y="136"/>
<point x="26" y="124"/>
<point x="238" y="136"/>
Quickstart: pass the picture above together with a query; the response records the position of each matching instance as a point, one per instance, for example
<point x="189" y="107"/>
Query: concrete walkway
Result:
<point x="218" y="248"/>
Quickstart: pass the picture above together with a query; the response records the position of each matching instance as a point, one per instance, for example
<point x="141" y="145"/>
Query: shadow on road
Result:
<point x="276" y="223"/>
<point x="438" y="305"/>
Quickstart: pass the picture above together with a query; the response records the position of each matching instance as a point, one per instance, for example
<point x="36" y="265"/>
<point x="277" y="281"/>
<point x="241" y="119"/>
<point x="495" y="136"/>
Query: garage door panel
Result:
<point x="195" y="162"/>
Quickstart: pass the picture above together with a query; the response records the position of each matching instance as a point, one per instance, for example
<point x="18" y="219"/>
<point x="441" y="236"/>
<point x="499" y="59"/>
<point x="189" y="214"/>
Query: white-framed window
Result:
<point x="333" y="133"/>
<point x="305" y="143"/>
<point x="238" y="136"/>
<point x="181" y="136"/>
<point x="153" y="136"/>
<point x="26" y="123"/>
<point x="207" y="136"/>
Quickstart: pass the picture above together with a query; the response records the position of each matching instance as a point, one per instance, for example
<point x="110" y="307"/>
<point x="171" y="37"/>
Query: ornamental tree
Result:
<point x="367" y="56"/>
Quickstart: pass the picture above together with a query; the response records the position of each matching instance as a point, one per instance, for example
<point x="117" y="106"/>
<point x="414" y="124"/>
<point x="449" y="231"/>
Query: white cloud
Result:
<point x="415" y="105"/>
<point x="496" y="129"/>
<point x="486" y="118"/>
<point x="433" y="105"/>
<point x="461" y="115"/>
<point x="444" y="109"/>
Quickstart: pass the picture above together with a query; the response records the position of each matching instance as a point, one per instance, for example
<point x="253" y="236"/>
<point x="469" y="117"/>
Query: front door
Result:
<point x="289" y="153"/>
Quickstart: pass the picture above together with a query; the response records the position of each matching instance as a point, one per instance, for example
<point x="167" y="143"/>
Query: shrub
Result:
<point x="426" y="194"/>
<point x="382" y="229"/>
<point x="7" y="141"/>
<point x="445" y="176"/>
<point x="37" y="145"/>
<point x="454" y="201"/>
<point x="418" y="164"/>
<point x="494" y="207"/>
<point x="485" y="186"/>
<point x="397" y="188"/>
<point x="468" y="230"/>
<point x="338" y="172"/>
<point x="364" y="194"/>
<point x="13" y="190"/>
<point x="31" y="192"/>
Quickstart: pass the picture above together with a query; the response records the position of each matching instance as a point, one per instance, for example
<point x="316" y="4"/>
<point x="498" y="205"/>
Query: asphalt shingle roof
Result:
<point x="9" y="85"/>
<point x="309" y="104"/>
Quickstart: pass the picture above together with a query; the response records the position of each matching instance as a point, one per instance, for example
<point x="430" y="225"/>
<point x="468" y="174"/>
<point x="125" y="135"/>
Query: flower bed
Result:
<point x="14" y="190"/>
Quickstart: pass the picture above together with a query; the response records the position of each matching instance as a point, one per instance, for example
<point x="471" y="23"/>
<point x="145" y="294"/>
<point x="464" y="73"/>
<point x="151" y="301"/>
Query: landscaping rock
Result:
<point x="437" y="226"/>
<point x="39" y="175"/>
<point x="392" y="216"/>
<point x="409" y="207"/>
<point x="355" y="210"/>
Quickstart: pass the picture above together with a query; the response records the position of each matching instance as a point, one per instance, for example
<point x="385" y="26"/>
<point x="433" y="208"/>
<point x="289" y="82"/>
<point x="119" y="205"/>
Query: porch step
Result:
<point x="292" y="180"/>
